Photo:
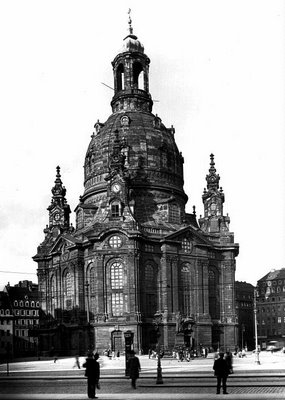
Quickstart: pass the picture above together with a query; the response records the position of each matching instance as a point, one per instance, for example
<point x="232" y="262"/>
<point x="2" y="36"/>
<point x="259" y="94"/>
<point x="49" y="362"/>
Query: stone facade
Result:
<point x="136" y="260"/>
<point x="271" y="308"/>
<point x="19" y="320"/>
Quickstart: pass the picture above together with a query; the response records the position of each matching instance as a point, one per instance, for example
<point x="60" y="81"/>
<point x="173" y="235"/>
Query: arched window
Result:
<point x="53" y="293"/>
<point x="185" y="289"/>
<point x="138" y="76"/>
<point x="120" y="77"/>
<point x="68" y="289"/>
<point x="91" y="278"/>
<point x="16" y="303"/>
<point x="117" y="286"/>
<point x="214" y="307"/>
<point x="115" y="209"/>
<point x="150" y="289"/>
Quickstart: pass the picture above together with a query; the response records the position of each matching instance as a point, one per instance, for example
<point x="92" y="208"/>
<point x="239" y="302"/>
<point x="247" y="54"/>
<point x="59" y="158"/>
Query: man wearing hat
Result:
<point x="221" y="369"/>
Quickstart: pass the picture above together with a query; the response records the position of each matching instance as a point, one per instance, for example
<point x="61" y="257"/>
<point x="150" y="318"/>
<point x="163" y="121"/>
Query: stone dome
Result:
<point x="152" y="158"/>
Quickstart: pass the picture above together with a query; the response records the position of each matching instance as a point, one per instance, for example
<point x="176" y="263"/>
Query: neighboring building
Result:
<point x="25" y="313"/>
<point x="271" y="308"/>
<point x="6" y="328"/>
<point x="244" y="308"/>
<point x="136" y="260"/>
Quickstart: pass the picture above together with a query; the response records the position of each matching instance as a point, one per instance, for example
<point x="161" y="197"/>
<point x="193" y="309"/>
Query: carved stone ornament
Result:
<point x="125" y="120"/>
<point x="65" y="256"/>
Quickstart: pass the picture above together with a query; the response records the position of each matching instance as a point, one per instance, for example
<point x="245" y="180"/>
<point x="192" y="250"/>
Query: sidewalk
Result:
<point x="269" y="363"/>
<point x="146" y="396"/>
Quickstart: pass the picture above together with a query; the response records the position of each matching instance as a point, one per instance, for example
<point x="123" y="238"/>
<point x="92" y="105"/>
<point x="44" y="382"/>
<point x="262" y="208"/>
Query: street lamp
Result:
<point x="242" y="331"/>
<point x="255" y="328"/>
<point x="157" y="322"/>
<point x="87" y="301"/>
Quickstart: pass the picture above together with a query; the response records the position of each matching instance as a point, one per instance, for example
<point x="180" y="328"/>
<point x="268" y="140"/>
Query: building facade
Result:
<point x="25" y="306"/>
<point x="244" y="309"/>
<point x="271" y="308"/>
<point x="19" y="320"/>
<point x="6" y="328"/>
<point x="136" y="260"/>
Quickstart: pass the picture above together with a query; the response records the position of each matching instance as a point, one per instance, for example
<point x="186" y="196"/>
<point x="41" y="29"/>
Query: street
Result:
<point x="194" y="380"/>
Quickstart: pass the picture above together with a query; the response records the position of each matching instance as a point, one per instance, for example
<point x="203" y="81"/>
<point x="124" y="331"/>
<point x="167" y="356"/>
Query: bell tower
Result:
<point x="131" y="76"/>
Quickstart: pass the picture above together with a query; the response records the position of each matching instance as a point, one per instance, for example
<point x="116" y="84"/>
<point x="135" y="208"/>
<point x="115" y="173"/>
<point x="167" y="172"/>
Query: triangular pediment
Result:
<point x="190" y="232"/>
<point x="64" y="242"/>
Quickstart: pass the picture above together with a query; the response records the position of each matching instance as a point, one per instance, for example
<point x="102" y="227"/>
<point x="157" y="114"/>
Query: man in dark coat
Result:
<point x="134" y="368"/>
<point x="93" y="374"/>
<point x="221" y="369"/>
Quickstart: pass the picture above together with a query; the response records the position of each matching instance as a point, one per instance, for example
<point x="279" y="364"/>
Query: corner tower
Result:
<point x="213" y="198"/>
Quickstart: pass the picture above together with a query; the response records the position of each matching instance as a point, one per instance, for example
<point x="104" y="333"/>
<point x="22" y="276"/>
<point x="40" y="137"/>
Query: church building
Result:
<point x="136" y="263"/>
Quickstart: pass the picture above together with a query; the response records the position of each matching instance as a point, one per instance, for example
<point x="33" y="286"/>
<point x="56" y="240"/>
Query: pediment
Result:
<point x="63" y="243"/>
<point x="191" y="233"/>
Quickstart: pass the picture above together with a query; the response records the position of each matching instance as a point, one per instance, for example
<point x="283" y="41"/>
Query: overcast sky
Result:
<point x="217" y="73"/>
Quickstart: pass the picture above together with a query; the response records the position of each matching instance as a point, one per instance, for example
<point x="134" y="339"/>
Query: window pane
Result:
<point x="117" y="276"/>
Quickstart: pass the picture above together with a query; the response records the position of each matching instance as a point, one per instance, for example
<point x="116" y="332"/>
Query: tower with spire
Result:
<point x="59" y="210"/>
<point x="213" y="199"/>
<point x="137" y="260"/>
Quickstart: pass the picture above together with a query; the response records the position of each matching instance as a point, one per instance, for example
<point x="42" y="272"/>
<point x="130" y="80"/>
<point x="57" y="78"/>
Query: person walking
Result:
<point x="93" y="374"/>
<point x="77" y="362"/>
<point x="221" y="369"/>
<point x="134" y="369"/>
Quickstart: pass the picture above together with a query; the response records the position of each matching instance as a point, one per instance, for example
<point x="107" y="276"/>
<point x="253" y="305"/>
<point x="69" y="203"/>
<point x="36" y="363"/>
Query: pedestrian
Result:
<point x="229" y="360"/>
<point x="77" y="363"/>
<point x="134" y="368"/>
<point x="221" y="369"/>
<point x="92" y="373"/>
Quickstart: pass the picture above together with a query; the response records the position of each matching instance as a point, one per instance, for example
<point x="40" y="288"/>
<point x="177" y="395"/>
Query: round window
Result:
<point x="115" y="241"/>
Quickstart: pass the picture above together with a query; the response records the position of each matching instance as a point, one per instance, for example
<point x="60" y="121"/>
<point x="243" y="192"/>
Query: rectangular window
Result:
<point x="115" y="210"/>
<point x="117" y="304"/>
<point x="279" y="320"/>
<point x="174" y="214"/>
<point x="149" y="247"/>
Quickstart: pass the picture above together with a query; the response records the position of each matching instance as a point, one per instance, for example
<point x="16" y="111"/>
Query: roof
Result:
<point x="274" y="274"/>
<point x="21" y="293"/>
<point x="4" y="301"/>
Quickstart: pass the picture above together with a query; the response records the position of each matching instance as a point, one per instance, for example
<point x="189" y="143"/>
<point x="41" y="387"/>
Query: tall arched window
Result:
<point x="120" y="77"/>
<point x="214" y="301"/>
<point x="117" y="286"/>
<point x="185" y="289"/>
<point x="149" y="289"/>
<point x="53" y="293"/>
<point x="92" y="288"/>
<point x="68" y="289"/>
<point x="138" y="76"/>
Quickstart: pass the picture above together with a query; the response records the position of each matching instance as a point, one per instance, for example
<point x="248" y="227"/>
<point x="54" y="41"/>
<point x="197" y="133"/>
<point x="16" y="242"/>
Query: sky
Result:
<point x="216" y="75"/>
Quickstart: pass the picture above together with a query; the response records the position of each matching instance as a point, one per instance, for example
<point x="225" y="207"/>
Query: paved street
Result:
<point x="48" y="380"/>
